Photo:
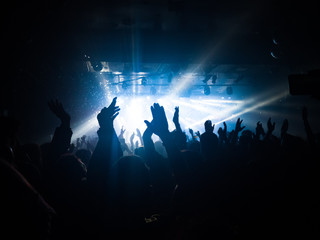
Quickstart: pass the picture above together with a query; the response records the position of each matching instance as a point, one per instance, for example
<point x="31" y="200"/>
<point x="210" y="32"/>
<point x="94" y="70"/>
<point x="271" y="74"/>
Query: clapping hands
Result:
<point x="57" y="109"/>
<point x="159" y="123"/>
<point x="238" y="125"/>
<point x="107" y="115"/>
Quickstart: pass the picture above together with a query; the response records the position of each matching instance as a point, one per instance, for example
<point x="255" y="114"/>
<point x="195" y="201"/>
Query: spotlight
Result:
<point x="207" y="78"/>
<point x="214" y="78"/>
<point x="109" y="77"/>
<point x="97" y="66"/>
<point x="143" y="81"/>
<point x="186" y="93"/>
<point x="206" y="90"/>
<point x="124" y="85"/>
<point x="229" y="90"/>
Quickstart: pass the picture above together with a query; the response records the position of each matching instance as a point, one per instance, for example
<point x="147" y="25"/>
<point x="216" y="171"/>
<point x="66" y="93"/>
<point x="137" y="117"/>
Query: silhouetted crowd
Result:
<point x="236" y="184"/>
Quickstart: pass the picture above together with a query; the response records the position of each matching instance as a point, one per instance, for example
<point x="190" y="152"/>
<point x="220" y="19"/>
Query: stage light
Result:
<point x="207" y="78"/>
<point x="124" y="85"/>
<point x="193" y="110"/>
<point x="206" y="90"/>
<point x="97" y="66"/>
<point x="109" y="76"/>
<point x="144" y="81"/>
<point x="214" y="78"/>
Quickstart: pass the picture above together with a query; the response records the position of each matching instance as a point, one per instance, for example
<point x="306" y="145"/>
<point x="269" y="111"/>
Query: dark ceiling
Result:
<point x="45" y="43"/>
<point x="53" y="38"/>
<point x="228" y="32"/>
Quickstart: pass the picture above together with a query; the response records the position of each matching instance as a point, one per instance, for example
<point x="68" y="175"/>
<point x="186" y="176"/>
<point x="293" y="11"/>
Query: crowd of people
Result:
<point x="236" y="184"/>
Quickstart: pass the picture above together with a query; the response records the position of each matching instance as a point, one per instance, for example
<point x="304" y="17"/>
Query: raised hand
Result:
<point x="271" y="126"/>
<point x="198" y="134"/>
<point x="57" y="109"/>
<point x="159" y="123"/>
<point x="191" y="132"/>
<point x="107" y="115"/>
<point x="122" y="130"/>
<point x="132" y="137"/>
<point x="225" y="127"/>
<point x="176" y="119"/>
<point x="223" y="132"/>
<point x="238" y="126"/>
<point x="140" y="136"/>
<point x="138" y="133"/>
<point x="176" y="116"/>
<point x="259" y="129"/>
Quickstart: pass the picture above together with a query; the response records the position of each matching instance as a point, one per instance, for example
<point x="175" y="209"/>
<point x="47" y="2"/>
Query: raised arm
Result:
<point x="176" y="119"/>
<point x="192" y="134"/>
<point x="307" y="128"/>
<point x="108" y="149"/>
<point x="122" y="140"/>
<point x="223" y="134"/>
<point x="271" y="126"/>
<point x="259" y="131"/>
<point x="131" y="141"/>
<point x="159" y="126"/>
<point x="61" y="140"/>
<point x="237" y="129"/>
<point x="140" y="136"/>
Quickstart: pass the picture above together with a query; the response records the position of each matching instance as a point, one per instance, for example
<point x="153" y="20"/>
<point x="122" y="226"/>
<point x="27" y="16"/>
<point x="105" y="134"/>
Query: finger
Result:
<point x="147" y="123"/>
<point x="152" y="111"/>
<point x="113" y="103"/>
<point x="114" y="116"/>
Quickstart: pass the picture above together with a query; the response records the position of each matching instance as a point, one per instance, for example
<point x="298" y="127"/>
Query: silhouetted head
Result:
<point x="194" y="146"/>
<point x="130" y="183"/>
<point x="69" y="168"/>
<point x="84" y="155"/>
<point x="208" y="126"/>
<point x="180" y="139"/>
<point x="246" y="137"/>
<point x="140" y="152"/>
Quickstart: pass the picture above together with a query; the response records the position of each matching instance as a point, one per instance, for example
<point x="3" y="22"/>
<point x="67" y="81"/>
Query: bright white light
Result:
<point x="193" y="112"/>
<point x="88" y="127"/>
<point x="181" y="85"/>
<point x="134" y="110"/>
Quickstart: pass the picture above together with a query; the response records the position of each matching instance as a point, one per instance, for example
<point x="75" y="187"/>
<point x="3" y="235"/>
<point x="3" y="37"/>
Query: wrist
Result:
<point x="165" y="136"/>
